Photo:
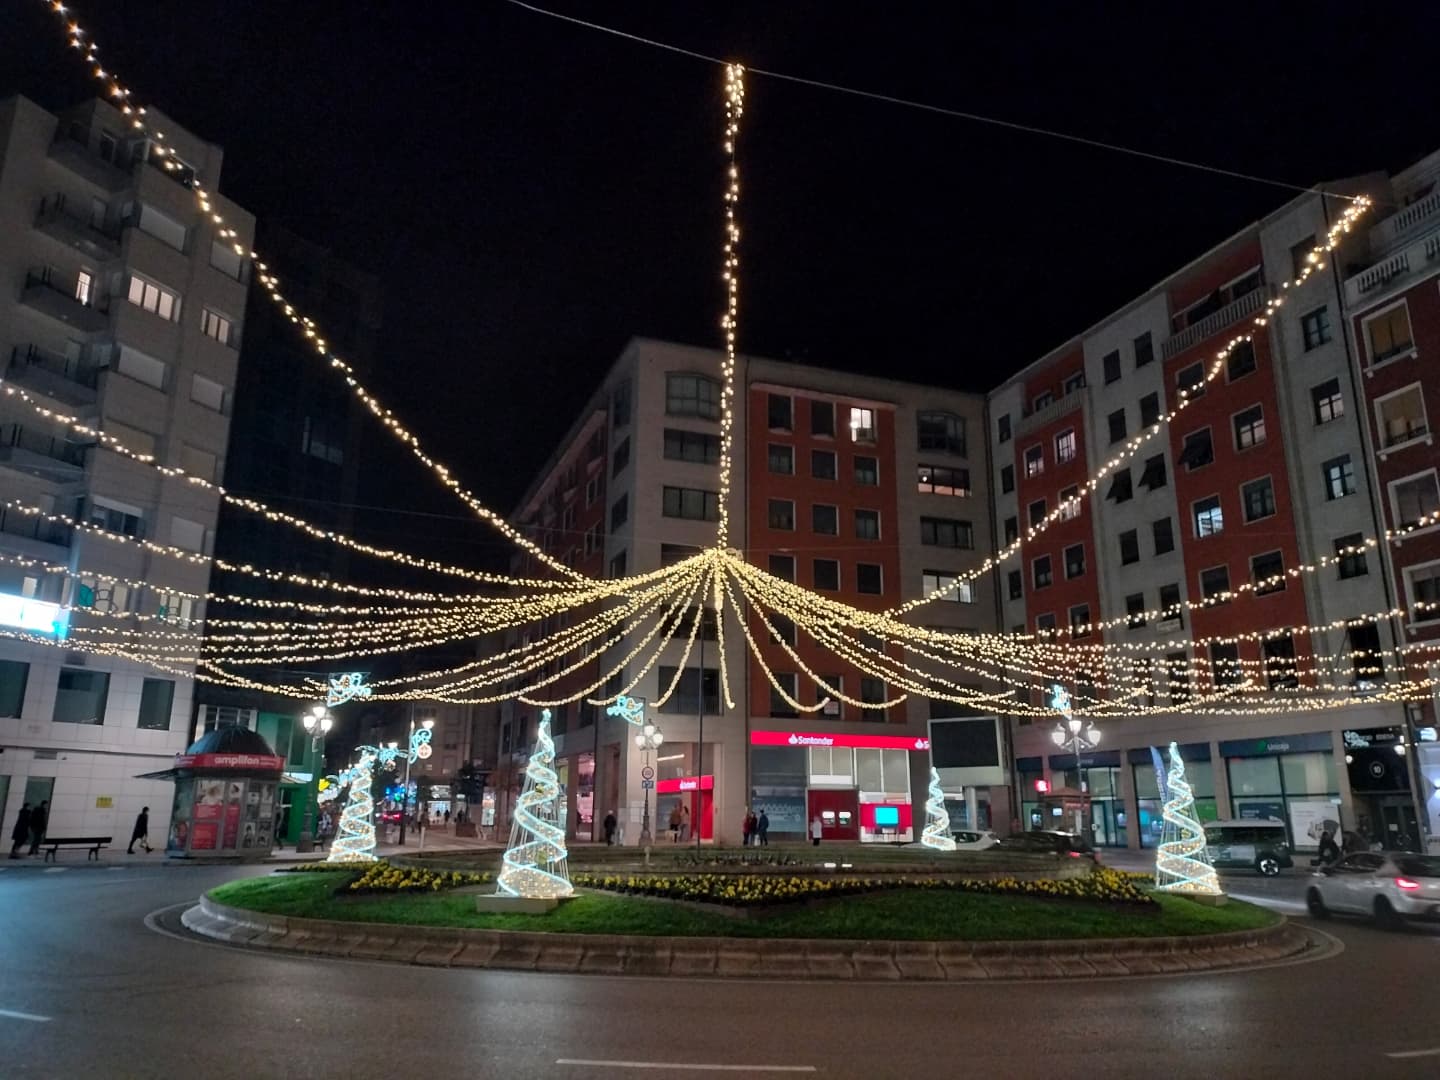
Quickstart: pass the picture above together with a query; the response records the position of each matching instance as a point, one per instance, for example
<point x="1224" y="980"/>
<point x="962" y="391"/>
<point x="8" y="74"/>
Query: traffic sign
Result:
<point x="647" y="773"/>
<point x="647" y="784"/>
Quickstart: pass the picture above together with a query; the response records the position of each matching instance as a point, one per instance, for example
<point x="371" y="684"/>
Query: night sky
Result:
<point x="533" y="193"/>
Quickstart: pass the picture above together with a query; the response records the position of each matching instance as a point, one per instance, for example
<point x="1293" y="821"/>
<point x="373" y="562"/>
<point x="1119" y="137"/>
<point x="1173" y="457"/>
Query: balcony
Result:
<point x="87" y="233"/>
<point x="1374" y="283"/>
<point x="73" y="300"/>
<point x="88" y="165"/>
<point x="42" y="456"/>
<point x="33" y="536"/>
<point x="1405" y="224"/>
<point x="1215" y="322"/>
<point x="68" y="380"/>
<point x="1061" y="406"/>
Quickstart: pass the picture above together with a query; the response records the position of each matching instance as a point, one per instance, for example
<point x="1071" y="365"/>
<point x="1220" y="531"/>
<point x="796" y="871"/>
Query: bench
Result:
<point x="51" y="844"/>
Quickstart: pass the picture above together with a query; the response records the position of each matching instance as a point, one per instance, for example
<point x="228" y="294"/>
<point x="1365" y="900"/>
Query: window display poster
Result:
<point x="180" y="816"/>
<point x="232" y="811"/>
<point x="786" y="812"/>
<point x="1311" y="817"/>
<point x="209" y="803"/>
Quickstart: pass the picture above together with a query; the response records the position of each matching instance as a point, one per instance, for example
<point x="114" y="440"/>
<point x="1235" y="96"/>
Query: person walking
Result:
<point x="39" y="818"/>
<point x="141" y="832"/>
<point x="684" y="823"/>
<point x="815" y="830"/>
<point x="675" y="824"/>
<point x="763" y="828"/>
<point x="1329" y="850"/>
<point x="610" y="829"/>
<point x="745" y="827"/>
<point x="21" y="832"/>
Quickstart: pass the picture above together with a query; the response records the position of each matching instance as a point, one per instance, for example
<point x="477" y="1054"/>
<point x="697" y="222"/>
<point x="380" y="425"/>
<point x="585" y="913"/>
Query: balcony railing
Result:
<point x="1400" y="226"/>
<point x="1215" y="322"/>
<point x="1066" y="403"/>
<point x="112" y="175"/>
<point x="1369" y="285"/>
<point x="41" y="455"/>
<point x="76" y="301"/>
<point x="65" y="378"/>
<point x="73" y="226"/>
<point x="33" y="527"/>
<point x="1404" y="430"/>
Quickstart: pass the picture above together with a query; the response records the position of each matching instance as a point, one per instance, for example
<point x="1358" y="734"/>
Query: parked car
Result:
<point x="1249" y="845"/>
<point x="975" y="841"/>
<point x="389" y="817"/>
<point x="1388" y="886"/>
<point x="1051" y="842"/>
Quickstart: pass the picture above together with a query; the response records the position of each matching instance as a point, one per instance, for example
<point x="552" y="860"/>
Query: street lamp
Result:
<point x="649" y="739"/>
<point x="1071" y="731"/>
<point x="405" y="791"/>
<point x="318" y="722"/>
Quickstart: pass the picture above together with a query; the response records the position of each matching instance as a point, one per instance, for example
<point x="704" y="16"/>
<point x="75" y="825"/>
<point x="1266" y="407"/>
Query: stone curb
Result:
<point x="780" y="958"/>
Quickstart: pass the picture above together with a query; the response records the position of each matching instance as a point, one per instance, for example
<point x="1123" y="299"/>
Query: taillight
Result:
<point x="1073" y="854"/>
<point x="1406" y="884"/>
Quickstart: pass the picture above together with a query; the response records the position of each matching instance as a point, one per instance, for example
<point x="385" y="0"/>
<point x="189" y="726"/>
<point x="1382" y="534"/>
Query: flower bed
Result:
<point x="381" y="877"/>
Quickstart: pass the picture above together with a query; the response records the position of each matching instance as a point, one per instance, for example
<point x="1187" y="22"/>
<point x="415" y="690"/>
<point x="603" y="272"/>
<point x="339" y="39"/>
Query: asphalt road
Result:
<point x="86" y="989"/>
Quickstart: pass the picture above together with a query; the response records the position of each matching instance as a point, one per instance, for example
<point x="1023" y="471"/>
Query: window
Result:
<point x="693" y="446"/>
<point x="594" y="541"/>
<point x="670" y="554"/>
<point x="1036" y="512"/>
<point x="1149" y="410"/>
<point x="1415" y="500"/>
<point x="1041" y="572"/>
<point x="134" y="364"/>
<point x="1121" y="489"/>
<point x="1190" y="382"/>
<point x="1424" y="584"/>
<point x="1279" y="653"/>
<point x="690" y="503"/>
<point x="13" y="678"/>
<point x="1339" y="477"/>
<point x="1267" y="571"/>
<point x="1197" y="451"/>
<point x="619" y="512"/>
<point x="1074" y="382"/>
<point x="1389" y="334"/>
<point x="783" y="566"/>
<point x="80" y="698"/>
<point x="175" y="608"/>
<point x="223" y="256"/>
<point x="617" y="565"/>
<point x="1042" y="399"/>
<point x="1329" y="405"/>
<point x="868" y="579"/>
<point x="621" y="457"/>
<point x="1214" y="582"/>
<point x="156" y="698"/>
<point x="1135" y="609"/>
<point x="1153" y="475"/>
<point x="1177" y="670"/>
<point x="946" y="532"/>
<point x="592" y="490"/>
<point x="214" y="325"/>
<point x="620" y="404"/>
<point x="1144" y="350"/>
<point x="1129" y="547"/>
<point x="872" y="692"/>
<point x="822" y="418"/>
<point x="1164" y="536"/>
<point x="1249" y="427"/>
<point x="1258" y="499"/>
<point x="1364" y="642"/>
<point x="1111" y="364"/>
<point x="1209" y="518"/>
<point x="1080" y="620"/>
<point x="782" y="514"/>
<point x="692" y="395"/>
<point x="1034" y="461"/>
<point x="941" y="431"/>
<point x="1116" y="420"/>
<point x="688" y="699"/>
<point x="1170" y="607"/>
<point x="779" y="412"/>
<point x="1045" y="622"/>
<point x="1016" y="583"/>
<point x="1401" y="417"/>
<point x="939" y="480"/>
<point x="867" y="524"/>
<point x="1012" y="530"/>
<point x="1070" y="503"/>
<point x="822" y="464"/>
<point x="1002" y="427"/>
<point x="1350" y="556"/>
<point x="867" y="471"/>
<point x="1007" y="479"/>
<point x="209" y="393"/>
<point x="1065" y="447"/>
<point x="825" y="519"/>
<point x="787" y="683"/>
<point x="1315" y="327"/>
<point x="1241" y="361"/>
<point x="827" y="574"/>
<point x="116" y="517"/>
<point x="782" y="459"/>
<point x="1300" y="256"/>
<point x="961" y="592"/>
<point x="1225" y="664"/>
<point x="1074" y="560"/>
<point x="862" y="425"/>
<point x="154" y="298"/>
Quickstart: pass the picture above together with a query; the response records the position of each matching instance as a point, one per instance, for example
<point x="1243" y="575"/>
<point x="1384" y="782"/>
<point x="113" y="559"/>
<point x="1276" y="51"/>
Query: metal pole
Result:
<point x="645" y="837"/>
<point x="700" y="747"/>
<point x="405" y="791"/>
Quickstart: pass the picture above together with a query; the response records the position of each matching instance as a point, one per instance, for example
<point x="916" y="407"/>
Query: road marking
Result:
<point x="696" y="1067"/>
<point x="24" y="1016"/>
<point x="55" y="869"/>
<point x="1274" y="903"/>
<point x="1434" y="1052"/>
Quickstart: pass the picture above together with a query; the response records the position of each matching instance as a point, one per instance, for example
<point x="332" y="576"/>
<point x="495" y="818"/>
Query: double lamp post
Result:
<point x="318" y="722"/>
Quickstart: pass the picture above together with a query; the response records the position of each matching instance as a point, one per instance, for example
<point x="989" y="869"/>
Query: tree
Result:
<point x="937" y="818"/>
<point x="534" y="865"/>
<point x="355" y="838"/>
<point x="1182" y="863"/>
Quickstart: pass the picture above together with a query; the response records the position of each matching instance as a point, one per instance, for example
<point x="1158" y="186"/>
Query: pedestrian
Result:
<point x="745" y="827"/>
<point x="21" y="832"/>
<point x="675" y="824"/>
<point x="815" y="830"/>
<point x="39" y="818"/>
<point x="763" y="827"/>
<point x="684" y="823"/>
<point x="609" y="824"/>
<point x="141" y="832"/>
<point x="447" y="817"/>
<point x="1329" y="850"/>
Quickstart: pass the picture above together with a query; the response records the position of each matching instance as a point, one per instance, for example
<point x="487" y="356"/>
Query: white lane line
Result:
<point x="1288" y="907"/>
<point x="681" y="1065"/>
<point x="1433" y="1052"/>
<point x="24" y="1016"/>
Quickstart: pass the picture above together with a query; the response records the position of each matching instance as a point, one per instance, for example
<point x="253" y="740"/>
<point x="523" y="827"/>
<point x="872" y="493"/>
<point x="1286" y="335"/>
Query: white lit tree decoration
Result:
<point x="937" y="818"/>
<point x="534" y="865"/>
<point x="355" y="838"/>
<point x="1182" y="864"/>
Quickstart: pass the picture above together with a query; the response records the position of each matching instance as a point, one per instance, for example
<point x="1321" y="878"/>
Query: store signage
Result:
<point x="229" y="761"/>
<point x="1289" y="744"/>
<point x="854" y="742"/>
<point x="36" y="616"/>
<point x="1364" y="740"/>
<point x="685" y="783"/>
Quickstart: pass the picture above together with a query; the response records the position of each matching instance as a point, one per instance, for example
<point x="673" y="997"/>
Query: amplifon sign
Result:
<point x="229" y="761"/>
<point x="854" y="742"/>
<point x="36" y="616"/>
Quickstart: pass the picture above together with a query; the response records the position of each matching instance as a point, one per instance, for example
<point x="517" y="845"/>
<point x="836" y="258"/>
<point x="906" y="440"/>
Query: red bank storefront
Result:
<point x="857" y="785"/>
<point x="696" y="794"/>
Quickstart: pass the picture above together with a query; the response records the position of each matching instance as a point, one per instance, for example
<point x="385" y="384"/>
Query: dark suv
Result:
<point x="1051" y="842"/>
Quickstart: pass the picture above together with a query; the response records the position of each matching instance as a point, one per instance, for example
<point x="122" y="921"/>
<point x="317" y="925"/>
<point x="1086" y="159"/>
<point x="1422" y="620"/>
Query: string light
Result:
<point x="1182" y="863"/>
<point x="937" y="819"/>
<point x="534" y="864"/>
<point x="730" y="321"/>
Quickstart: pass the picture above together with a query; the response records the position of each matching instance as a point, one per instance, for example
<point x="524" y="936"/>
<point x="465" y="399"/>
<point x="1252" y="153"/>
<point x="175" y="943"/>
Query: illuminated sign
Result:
<point x="36" y="616"/>
<point x="857" y="742"/>
<point x="229" y="761"/>
<point x="1042" y="786"/>
<point x="685" y="783"/>
<point x="348" y="687"/>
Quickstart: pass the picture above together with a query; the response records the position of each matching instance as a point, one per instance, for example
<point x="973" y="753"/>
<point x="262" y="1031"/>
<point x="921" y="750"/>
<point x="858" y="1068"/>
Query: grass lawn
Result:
<point x="900" y="914"/>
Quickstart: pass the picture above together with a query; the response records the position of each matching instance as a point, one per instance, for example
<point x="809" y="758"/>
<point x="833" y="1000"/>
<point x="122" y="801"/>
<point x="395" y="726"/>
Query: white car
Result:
<point x="1390" y="887"/>
<point x="967" y="840"/>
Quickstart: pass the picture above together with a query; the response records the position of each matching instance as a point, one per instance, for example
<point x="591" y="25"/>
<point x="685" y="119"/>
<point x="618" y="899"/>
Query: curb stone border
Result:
<point x="779" y="958"/>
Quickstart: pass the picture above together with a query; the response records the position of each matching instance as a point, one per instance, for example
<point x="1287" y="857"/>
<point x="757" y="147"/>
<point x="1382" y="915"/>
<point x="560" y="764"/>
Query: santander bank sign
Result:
<point x="855" y="742"/>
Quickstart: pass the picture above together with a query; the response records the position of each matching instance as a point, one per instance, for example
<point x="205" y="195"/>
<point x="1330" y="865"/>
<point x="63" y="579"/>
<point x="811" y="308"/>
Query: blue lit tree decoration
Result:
<point x="937" y="818"/>
<point x="1182" y="864"/>
<point x="355" y="839"/>
<point x="534" y="865"/>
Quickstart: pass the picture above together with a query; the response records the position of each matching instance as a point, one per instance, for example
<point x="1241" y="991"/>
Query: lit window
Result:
<point x="154" y="298"/>
<point x="961" y="592"/>
<point x="1070" y="503"/>
<point x="1209" y="518"/>
<point x="1329" y="405"/>
<point x="862" y="425"/>
<point x="1065" y="448"/>
<point x="1339" y="477"/>
<point x="1034" y="461"/>
<point x="1249" y="427"/>
<point x="939" y="480"/>
<point x="1389" y="334"/>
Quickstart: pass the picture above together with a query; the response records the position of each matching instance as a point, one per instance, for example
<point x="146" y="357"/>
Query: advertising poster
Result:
<point x="786" y="812"/>
<point x="232" y="811"/>
<point x="205" y="828"/>
<point x="1309" y="818"/>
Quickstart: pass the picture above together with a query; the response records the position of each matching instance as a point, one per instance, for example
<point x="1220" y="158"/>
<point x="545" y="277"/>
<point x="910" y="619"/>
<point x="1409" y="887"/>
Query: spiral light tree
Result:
<point x="534" y="865"/>
<point x="937" y="818"/>
<point x="355" y="840"/>
<point x="1182" y="865"/>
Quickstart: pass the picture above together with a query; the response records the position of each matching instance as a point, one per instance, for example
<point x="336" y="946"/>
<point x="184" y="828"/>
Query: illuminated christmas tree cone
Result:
<point x="937" y="818"/>
<point x="355" y="840"/>
<point x="1182" y="863"/>
<point x="534" y="866"/>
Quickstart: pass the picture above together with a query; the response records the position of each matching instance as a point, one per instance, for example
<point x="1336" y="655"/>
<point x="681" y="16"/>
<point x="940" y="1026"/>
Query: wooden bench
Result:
<point x="52" y="844"/>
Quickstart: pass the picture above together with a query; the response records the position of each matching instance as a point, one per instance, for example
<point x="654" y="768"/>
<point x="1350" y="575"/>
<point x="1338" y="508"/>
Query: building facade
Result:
<point x="119" y="304"/>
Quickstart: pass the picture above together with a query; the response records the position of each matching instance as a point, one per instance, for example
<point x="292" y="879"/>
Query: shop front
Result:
<point x="1379" y="774"/>
<point x="694" y="798"/>
<point x="1097" y="776"/>
<point x="1288" y="778"/>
